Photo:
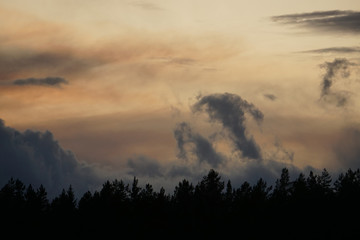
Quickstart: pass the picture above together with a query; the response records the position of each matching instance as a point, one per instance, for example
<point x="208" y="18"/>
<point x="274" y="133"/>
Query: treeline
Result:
<point x="313" y="205"/>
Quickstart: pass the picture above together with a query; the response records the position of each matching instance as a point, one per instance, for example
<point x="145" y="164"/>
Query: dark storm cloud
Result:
<point x="37" y="158"/>
<point x="201" y="148"/>
<point x="339" y="68"/>
<point x="339" y="50"/>
<point x="229" y="110"/>
<point x="330" y="21"/>
<point x="144" y="166"/>
<point x="48" y="81"/>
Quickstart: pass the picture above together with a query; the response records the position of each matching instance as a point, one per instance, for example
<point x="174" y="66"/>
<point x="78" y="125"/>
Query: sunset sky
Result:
<point x="165" y="90"/>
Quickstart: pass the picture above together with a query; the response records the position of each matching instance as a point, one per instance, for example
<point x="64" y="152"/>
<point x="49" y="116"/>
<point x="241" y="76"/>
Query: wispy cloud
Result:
<point x="146" y="5"/>
<point x="329" y="21"/>
<point x="271" y="97"/>
<point x="335" y="50"/>
<point x="335" y="70"/>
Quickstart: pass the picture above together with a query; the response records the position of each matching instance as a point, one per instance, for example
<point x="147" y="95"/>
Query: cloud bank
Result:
<point x="37" y="158"/>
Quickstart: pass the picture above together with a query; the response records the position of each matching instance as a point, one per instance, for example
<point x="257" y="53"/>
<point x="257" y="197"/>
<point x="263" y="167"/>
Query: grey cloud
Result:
<point x="48" y="81"/>
<point x="182" y="133"/>
<point x="180" y="171"/>
<point x="271" y="97"/>
<point x="229" y="110"/>
<point x="37" y="158"/>
<point x="17" y="62"/>
<point x="332" y="68"/>
<point x="144" y="166"/>
<point x="330" y="21"/>
<point x="205" y="151"/>
<point x="201" y="148"/>
<point x="337" y="50"/>
<point x="268" y="170"/>
<point x="340" y="66"/>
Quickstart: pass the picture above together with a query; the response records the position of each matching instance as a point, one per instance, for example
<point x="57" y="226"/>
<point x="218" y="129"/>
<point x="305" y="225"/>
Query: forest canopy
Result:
<point x="210" y="206"/>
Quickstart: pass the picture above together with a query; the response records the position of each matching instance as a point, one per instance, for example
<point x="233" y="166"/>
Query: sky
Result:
<point x="166" y="90"/>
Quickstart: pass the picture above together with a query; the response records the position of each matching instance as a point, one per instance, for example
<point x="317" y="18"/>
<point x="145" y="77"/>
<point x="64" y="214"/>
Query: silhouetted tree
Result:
<point x="86" y="202"/>
<point x="260" y="192"/>
<point x="135" y="190"/>
<point x="183" y="193"/>
<point x="147" y="194"/>
<point x="312" y="183"/>
<point x="12" y="198"/>
<point x="242" y="195"/>
<point x="161" y="197"/>
<point x="299" y="190"/>
<point x="114" y="195"/>
<point x="42" y="198"/>
<point x="209" y="190"/>
<point x="347" y="185"/>
<point x="281" y="191"/>
<point x="65" y="203"/>
<point x="324" y="183"/>
<point x="229" y="193"/>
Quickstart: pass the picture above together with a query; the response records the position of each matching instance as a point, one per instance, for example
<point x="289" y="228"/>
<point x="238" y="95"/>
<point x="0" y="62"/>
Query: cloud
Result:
<point x="146" y="5"/>
<point x="229" y="109"/>
<point x="339" y="66"/>
<point x="26" y="61"/>
<point x="37" y="158"/>
<point x="330" y="21"/>
<point x="48" y="81"/>
<point x="144" y="166"/>
<point x="337" y="50"/>
<point x="271" y="97"/>
<point x="181" y="134"/>
<point x="269" y="170"/>
<point x="281" y="154"/>
<point x="201" y="148"/>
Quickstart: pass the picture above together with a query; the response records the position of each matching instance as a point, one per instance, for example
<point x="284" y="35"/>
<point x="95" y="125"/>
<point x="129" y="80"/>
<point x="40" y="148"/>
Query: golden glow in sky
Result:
<point x="114" y="80"/>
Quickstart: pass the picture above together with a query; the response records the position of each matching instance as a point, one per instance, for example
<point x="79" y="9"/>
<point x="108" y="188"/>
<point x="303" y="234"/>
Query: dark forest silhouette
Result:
<point x="310" y="206"/>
